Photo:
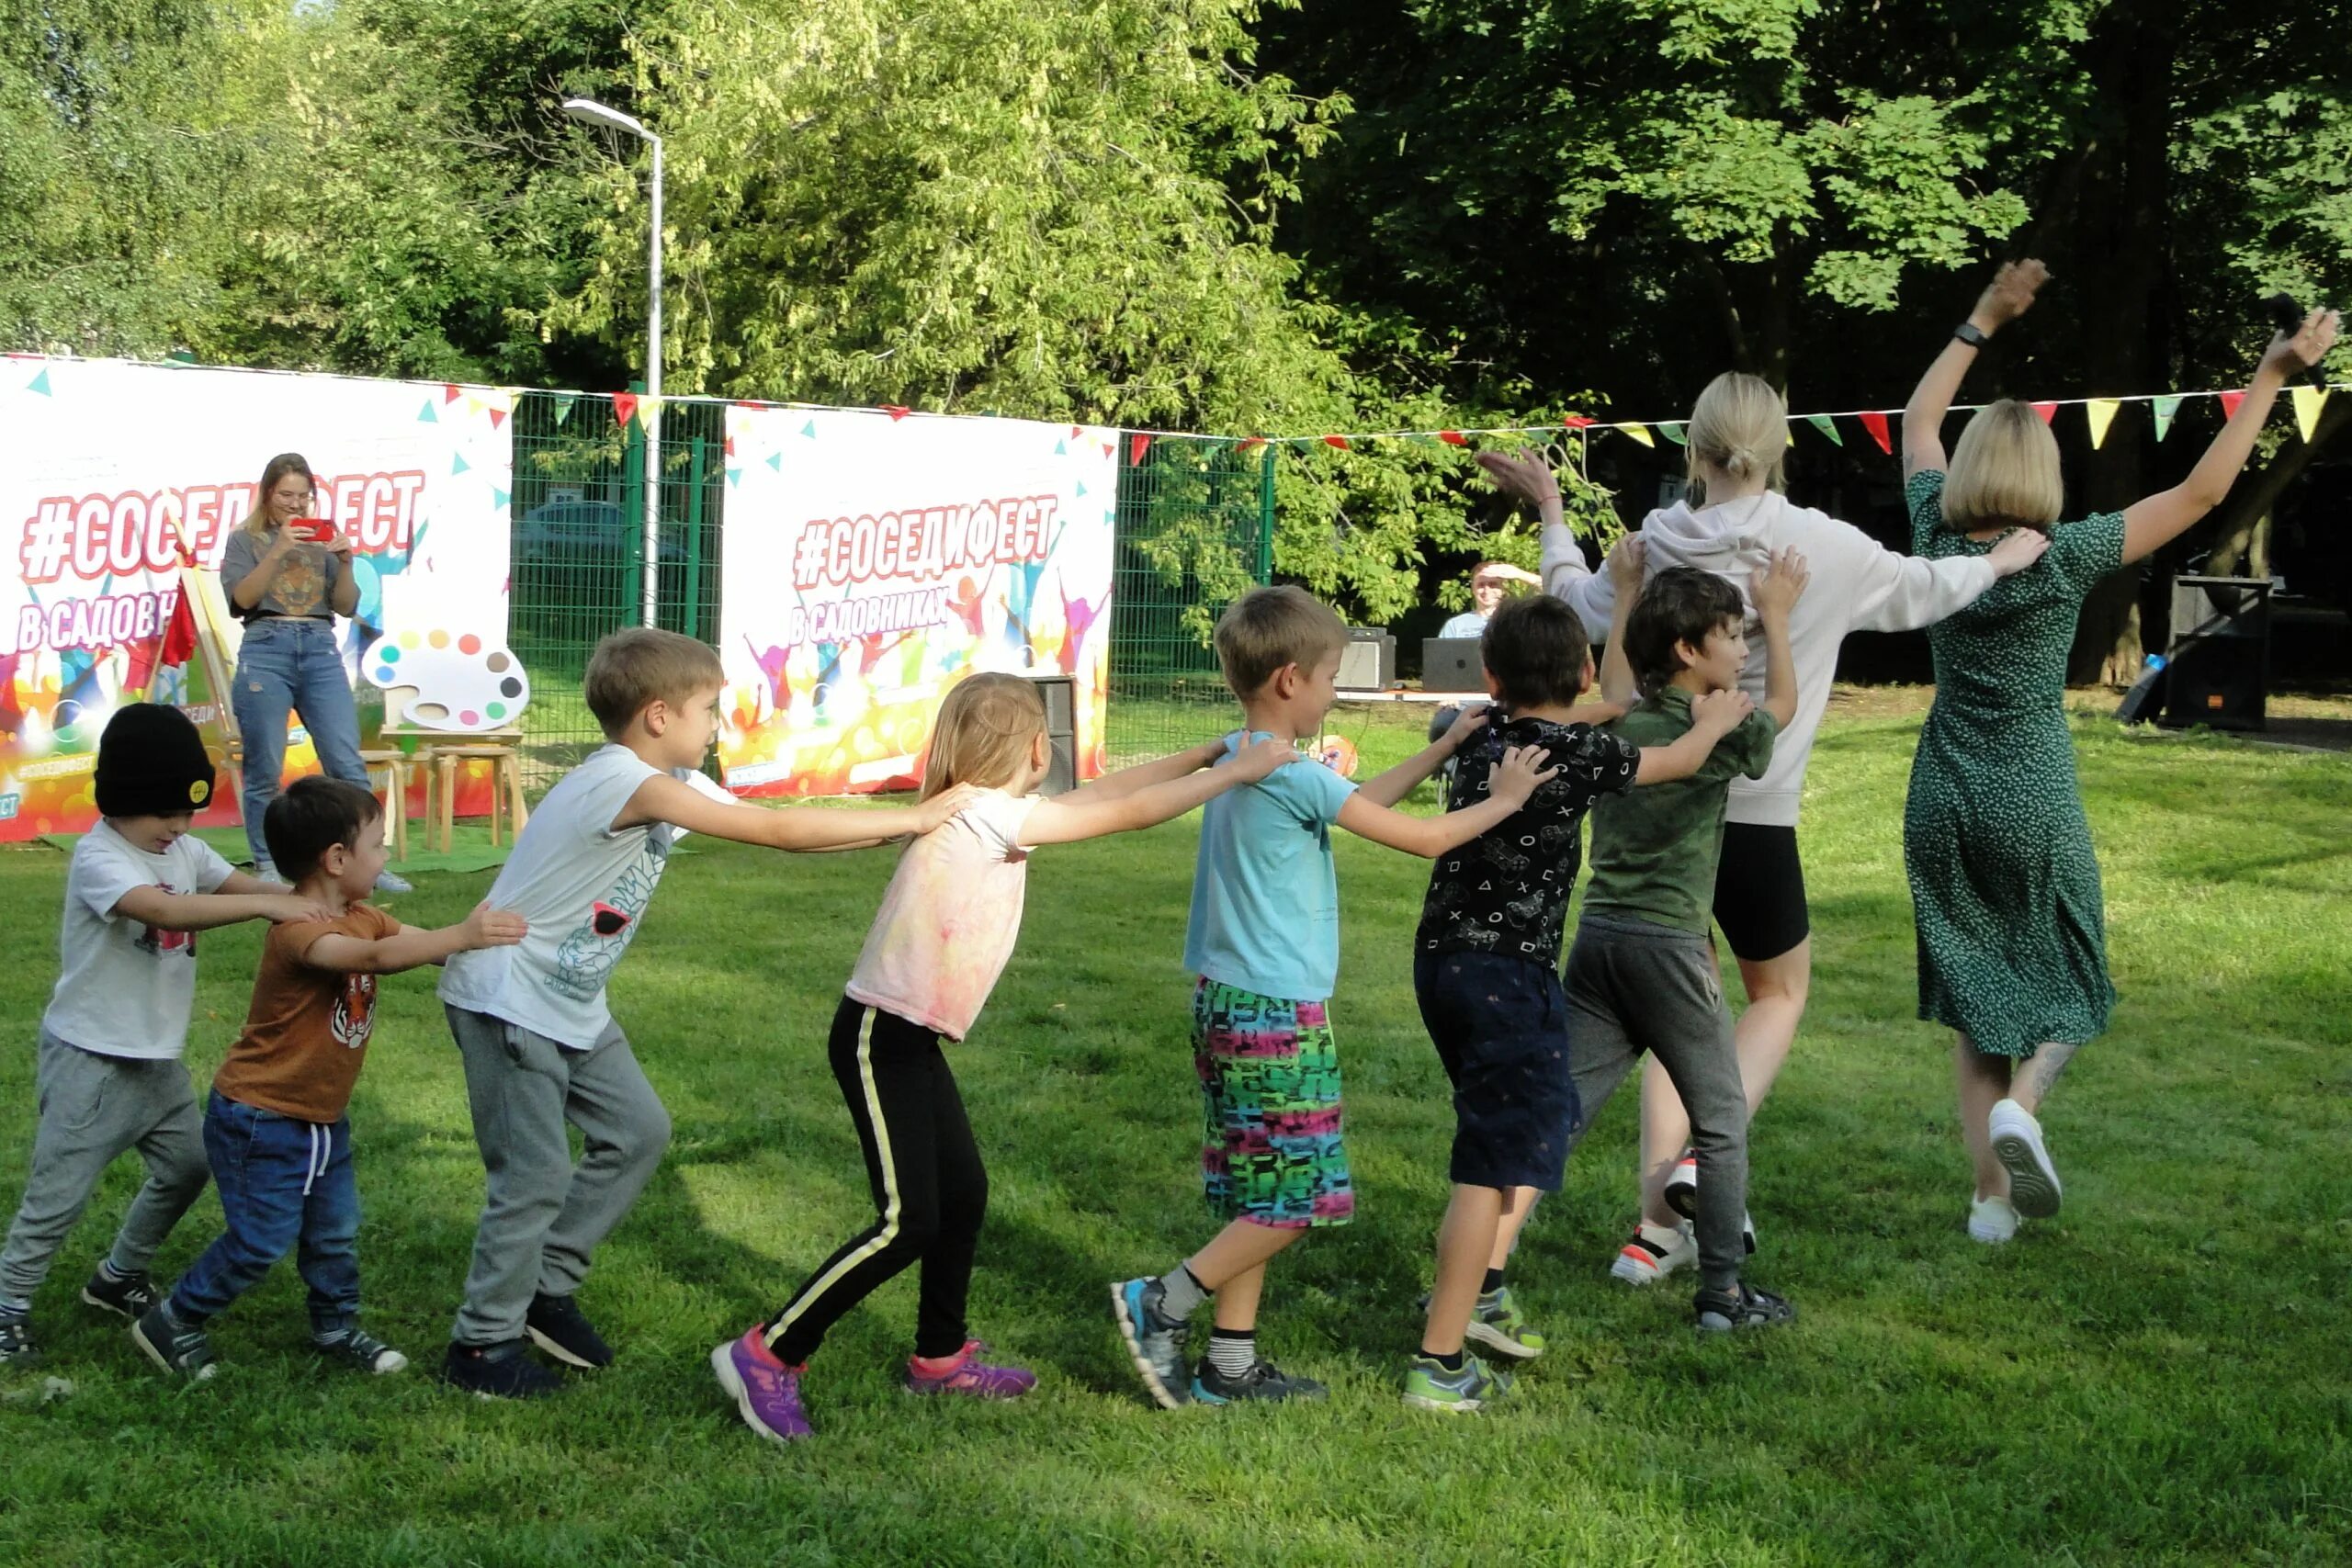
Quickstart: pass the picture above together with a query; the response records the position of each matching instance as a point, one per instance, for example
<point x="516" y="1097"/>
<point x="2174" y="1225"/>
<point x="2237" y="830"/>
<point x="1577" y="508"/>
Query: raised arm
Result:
<point x="1513" y="780"/>
<point x="2149" y="524"/>
<point x="413" y="947"/>
<point x="1528" y="479"/>
<point x="1069" y="818"/>
<point x="1618" y="686"/>
<point x="1776" y="591"/>
<point x="1396" y="783"/>
<point x="666" y="800"/>
<point x="2008" y="296"/>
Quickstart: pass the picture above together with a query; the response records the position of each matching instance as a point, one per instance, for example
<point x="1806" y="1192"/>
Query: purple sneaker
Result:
<point x="766" y="1391"/>
<point x="967" y="1374"/>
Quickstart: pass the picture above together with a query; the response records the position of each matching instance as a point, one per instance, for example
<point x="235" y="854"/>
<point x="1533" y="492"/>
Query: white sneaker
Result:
<point x="1682" y="1186"/>
<point x="1992" y="1221"/>
<point x="387" y="882"/>
<point x="2017" y="1143"/>
<point x="1655" y="1253"/>
<point x="266" y="871"/>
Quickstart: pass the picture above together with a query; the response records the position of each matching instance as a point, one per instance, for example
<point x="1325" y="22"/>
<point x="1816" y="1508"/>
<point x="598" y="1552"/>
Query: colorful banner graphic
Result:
<point x="873" y="559"/>
<point x="119" y="473"/>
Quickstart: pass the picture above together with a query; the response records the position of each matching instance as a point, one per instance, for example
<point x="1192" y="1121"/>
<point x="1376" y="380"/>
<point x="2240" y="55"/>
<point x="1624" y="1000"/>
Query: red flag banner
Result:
<point x="624" y="408"/>
<point x="1875" y="423"/>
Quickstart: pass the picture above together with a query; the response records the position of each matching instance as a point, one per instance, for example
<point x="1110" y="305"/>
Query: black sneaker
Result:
<point x="16" y="1347"/>
<point x="129" y="1296"/>
<point x="1722" y="1312"/>
<point x="1263" y="1380"/>
<point x="497" y="1372"/>
<point x="361" y="1352"/>
<point x="557" y="1326"/>
<point x="172" y="1346"/>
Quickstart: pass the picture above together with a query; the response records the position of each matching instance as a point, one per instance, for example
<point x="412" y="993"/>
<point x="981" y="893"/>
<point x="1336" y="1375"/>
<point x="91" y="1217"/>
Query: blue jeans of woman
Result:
<point x="291" y="666"/>
<point x="285" y="1186"/>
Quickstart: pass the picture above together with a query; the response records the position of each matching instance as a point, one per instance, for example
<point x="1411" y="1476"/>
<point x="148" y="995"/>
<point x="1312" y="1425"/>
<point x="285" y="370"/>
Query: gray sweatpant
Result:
<point x="93" y="1108"/>
<point x="1635" y="985"/>
<point x="543" y="1216"/>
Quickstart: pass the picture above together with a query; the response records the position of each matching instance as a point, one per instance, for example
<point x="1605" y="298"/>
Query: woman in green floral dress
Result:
<point x="2004" y="884"/>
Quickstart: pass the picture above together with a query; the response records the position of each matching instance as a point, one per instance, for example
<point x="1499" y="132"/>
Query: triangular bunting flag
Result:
<point x="1252" y="444"/>
<point x="1639" y="432"/>
<point x="2048" y="411"/>
<point x="1075" y="431"/>
<point x="1138" y="444"/>
<point x="730" y="446"/>
<point x="2100" y="411"/>
<point x="1673" y="432"/>
<point x="1339" y="441"/>
<point x="426" y="416"/>
<point x="2164" y="409"/>
<point x="457" y="465"/>
<point x="2230" y="401"/>
<point x="451" y="391"/>
<point x="2308" y="402"/>
<point x="474" y="405"/>
<point x="1577" y="422"/>
<point x="1875" y="423"/>
<point x="1454" y="438"/>
<point x="624" y="408"/>
<point x="809" y="430"/>
<point x="563" y="408"/>
<point x="39" y="384"/>
<point x="896" y="411"/>
<point x="1827" y="426"/>
<point x="497" y="418"/>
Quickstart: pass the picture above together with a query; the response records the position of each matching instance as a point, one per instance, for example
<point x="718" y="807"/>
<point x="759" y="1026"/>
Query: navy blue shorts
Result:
<point x="1500" y="1026"/>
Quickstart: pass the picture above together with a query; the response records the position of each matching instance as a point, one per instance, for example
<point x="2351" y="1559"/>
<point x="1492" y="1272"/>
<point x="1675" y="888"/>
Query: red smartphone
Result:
<point x="316" y="530"/>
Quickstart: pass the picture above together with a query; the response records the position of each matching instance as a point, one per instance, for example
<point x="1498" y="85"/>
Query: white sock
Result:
<point x="1232" y="1353"/>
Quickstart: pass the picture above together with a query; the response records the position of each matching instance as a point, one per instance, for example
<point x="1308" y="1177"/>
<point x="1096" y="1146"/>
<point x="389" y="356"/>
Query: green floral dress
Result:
<point x="2004" y="886"/>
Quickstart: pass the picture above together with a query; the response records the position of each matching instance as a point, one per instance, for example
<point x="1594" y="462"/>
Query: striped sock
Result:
<point x="1233" y="1352"/>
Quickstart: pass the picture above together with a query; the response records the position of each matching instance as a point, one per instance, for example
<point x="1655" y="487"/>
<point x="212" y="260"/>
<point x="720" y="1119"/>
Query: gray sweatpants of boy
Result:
<point x="1637" y="986"/>
<point x="543" y="1215"/>
<point x="92" y="1108"/>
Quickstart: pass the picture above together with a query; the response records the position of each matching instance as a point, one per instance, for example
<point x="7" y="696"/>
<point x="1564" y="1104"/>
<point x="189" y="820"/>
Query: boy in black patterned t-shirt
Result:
<point x="1486" y="969"/>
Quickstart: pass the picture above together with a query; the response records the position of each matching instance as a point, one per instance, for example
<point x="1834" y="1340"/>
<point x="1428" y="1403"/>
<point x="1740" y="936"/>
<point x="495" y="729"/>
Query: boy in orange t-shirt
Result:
<point x="274" y="1128"/>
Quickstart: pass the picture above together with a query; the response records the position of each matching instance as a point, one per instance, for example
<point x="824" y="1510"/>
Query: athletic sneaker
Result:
<point x="497" y="1372"/>
<point x="1428" y="1386"/>
<point x="387" y="882"/>
<point x="1992" y="1221"/>
<point x="266" y="871"/>
<point x="1495" y="1323"/>
<point x="171" y="1347"/>
<point x="1682" y="1186"/>
<point x="557" y="1326"/>
<point x="972" y="1376"/>
<point x="362" y="1353"/>
<point x="1262" y="1380"/>
<point x="1653" y="1253"/>
<point x="1721" y="1312"/>
<point x="766" y="1391"/>
<point x="17" y="1340"/>
<point x="1155" y="1342"/>
<point x="129" y="1296"/>
<point x="2017" y="1143"/>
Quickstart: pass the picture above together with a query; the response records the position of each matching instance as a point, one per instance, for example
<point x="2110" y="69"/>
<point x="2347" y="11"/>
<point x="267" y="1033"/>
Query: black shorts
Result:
<point x="1759" y="891"/>
<point x="1500" y="1026"/>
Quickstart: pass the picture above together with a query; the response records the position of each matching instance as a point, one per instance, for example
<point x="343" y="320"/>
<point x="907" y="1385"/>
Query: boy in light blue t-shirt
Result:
<point x="1264" y="939"/>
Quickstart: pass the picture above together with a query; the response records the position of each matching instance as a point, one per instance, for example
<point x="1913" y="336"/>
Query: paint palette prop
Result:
<point x="464" y="683"/>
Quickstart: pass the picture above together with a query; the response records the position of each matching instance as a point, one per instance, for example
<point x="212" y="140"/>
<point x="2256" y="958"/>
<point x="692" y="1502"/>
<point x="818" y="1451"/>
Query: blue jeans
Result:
<point x="291" y="666"/>
<point x="285" y="1185"/>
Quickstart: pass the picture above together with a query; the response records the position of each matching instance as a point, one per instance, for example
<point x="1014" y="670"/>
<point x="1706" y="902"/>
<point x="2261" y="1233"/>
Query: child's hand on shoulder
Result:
<point x="1626" y="563"/>
<point x="1262" y="756"/>
<point x="1466" y="723"/>
<point x="941" y="809"/>
<point x="291" y="910"/>
<point x="1520" y="773"/>
<point x="2018" y="548"/>
<point x="487" y="927"/>
<point x="1717" y="714"/>
<point x="1776" y="590"/>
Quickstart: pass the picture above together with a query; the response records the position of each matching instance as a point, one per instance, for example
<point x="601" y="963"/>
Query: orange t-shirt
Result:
<point x="306" y="1033"/>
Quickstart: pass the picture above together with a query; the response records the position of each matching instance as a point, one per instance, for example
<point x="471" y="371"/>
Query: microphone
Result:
<point x="2288" y="316"/>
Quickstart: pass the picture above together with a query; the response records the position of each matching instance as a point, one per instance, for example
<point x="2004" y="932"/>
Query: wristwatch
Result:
<point x="1969" y="334"/>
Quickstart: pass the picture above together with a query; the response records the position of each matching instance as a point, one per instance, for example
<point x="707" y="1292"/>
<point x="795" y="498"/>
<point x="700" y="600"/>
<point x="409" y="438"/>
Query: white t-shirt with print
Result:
<point x="125" y="988"/>
<point x="949" y="919"/>
<point x="584" y="888"/>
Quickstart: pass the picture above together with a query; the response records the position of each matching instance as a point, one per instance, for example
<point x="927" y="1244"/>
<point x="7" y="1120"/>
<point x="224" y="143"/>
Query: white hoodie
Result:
<point x="1856" y="585"/>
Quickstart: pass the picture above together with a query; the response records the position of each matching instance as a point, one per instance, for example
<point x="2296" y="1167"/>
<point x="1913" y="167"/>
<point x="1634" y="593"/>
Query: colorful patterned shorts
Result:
<point x="1270" y="1151"/>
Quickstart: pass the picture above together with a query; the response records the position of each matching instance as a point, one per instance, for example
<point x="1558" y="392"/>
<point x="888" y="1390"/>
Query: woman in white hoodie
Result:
<point x="1733" y="522"/>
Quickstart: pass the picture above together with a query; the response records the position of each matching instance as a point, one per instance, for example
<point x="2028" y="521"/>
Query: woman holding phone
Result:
<point x="288" y="575"/>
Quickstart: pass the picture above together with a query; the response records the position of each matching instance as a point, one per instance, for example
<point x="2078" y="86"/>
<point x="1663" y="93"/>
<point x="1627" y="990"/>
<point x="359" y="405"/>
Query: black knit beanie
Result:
<point x="152" y="763"/>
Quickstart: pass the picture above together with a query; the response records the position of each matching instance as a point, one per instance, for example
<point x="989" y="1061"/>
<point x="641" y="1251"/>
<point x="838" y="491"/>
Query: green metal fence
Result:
<point x="1195" y="527"/>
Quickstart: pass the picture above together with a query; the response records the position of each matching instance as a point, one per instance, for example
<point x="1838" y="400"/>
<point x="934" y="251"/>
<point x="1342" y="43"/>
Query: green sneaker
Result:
<point x="1497" y="1324"/>
<point x="1428" y="1386"/>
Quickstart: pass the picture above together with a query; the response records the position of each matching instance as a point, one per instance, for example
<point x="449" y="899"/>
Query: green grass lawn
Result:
<point x="2156" y="1376"/>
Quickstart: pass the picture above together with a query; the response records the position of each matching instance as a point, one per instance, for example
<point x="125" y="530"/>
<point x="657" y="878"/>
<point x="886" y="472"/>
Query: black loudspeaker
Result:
<point x="1368" y="661"/>
<point x="1061" y="732"/>
<point x="2218" y="671"/>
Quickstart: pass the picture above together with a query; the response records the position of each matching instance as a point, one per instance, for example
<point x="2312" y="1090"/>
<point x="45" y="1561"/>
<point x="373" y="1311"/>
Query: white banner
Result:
<point x="110" y="468"/>
<point x="873" y="559"/>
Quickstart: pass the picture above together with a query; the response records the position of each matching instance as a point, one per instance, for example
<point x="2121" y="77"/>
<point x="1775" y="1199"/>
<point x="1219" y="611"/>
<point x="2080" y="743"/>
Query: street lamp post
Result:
<point x="590" y="112"/>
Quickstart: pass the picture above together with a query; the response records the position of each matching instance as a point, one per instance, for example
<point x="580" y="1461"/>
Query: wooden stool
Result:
<point x="441" y="789"/>
<point x="395" y="763"/>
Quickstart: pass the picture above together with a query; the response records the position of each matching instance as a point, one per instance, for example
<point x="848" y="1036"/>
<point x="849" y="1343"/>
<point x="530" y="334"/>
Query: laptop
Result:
<point x="1452" y="664"/>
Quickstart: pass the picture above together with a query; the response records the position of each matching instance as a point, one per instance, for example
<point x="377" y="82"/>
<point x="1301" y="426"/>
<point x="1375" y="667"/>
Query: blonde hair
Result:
<point x="256" y="522"/>
<point x="642" y="665"/>
<point x="2004" y="470"/>
<point x="1268" y="629"/>
<point x="985" y="727"/>
<point x="1740" y="426"/>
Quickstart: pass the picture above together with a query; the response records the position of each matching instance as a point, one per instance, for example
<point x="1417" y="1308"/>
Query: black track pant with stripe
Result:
<point x="931" y="1192"/>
